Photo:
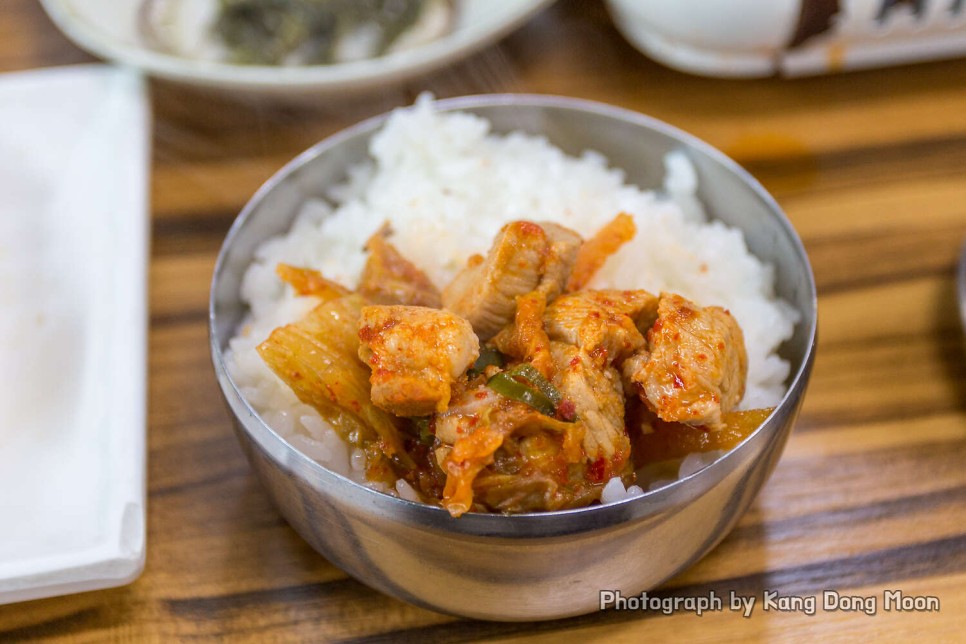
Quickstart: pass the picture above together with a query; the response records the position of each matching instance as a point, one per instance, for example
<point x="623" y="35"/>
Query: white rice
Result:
<point x="447" y="186"/>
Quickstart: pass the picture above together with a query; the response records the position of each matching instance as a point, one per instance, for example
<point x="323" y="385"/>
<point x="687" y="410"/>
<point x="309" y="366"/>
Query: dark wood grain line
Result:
<point x="190" y="486"/>
<point x="878" y="258"/>
<point x="185" y="317"/>
<point x="844" y="283"/>
<point x="901" y="463"/>
<point x="942" y="556"/>
<point x="194" y="244"/>
<point x="929" y="156"/>
<point x="945" y="337"/>
<point x="203" y="219"/>
<point x="856" y="415"/>
<point x="199" y="608"/>
<point x="821" y="522"/>
<point x="213" y="417"/>
<point x="81" y="620"/>
<point x="928" y="234"/>
<point x="195" y="231"/>
<point x="898" y="410"/>
<point x="944" y="346"/>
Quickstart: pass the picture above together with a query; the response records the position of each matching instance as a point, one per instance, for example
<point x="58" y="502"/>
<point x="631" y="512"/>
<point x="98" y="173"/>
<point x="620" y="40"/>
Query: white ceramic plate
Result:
<point x="73" y="249"/>
<point x="748" y="38"/>
<point x="109" y="28"/>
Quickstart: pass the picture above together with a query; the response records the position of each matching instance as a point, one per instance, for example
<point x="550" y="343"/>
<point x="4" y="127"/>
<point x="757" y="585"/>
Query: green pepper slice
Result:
<point x="523" y="383"/>
<point x="488" y="357"/>
<point x="421" y="423"/>
<point x="530" y="372"/>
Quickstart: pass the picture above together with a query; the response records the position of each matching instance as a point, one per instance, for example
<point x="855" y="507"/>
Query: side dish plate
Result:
<point x="109" y="29"/>
<point x="73" y="249"/>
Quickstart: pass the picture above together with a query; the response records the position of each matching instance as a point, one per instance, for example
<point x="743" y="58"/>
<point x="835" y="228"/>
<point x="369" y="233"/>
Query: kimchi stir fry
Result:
<point x="515" y="388"/>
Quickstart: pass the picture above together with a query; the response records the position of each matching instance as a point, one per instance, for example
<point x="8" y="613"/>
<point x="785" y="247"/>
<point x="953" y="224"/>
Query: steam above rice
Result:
<point x="447" y="185"/>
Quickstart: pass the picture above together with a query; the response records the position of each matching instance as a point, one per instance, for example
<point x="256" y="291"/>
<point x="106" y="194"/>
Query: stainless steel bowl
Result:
<point x="530" y="566"/>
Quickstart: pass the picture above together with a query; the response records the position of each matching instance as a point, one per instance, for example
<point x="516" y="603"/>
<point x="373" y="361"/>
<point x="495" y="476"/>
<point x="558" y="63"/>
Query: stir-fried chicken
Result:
<point x="537" y="419"/>
<point x="598" y="399"/>
<point x="524" y="257"/>
<point x="695" y="366"/>
<point x="390" y="278"/>
<point x="558" y="263"/>
<point x="607" y="325"/>
<point x="415" y="354"/>
<point x="526" y="339"/>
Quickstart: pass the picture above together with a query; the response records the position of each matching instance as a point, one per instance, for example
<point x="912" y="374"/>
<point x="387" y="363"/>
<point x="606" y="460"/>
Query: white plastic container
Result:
<point x="791" y="37"/>
<point x="75" y="150"/>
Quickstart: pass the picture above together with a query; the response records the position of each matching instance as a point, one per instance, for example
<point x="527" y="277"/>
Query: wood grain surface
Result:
<point x="870" y="494"/>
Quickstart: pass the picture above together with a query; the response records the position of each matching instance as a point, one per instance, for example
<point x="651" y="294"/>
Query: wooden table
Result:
<point x="870" y="494"/>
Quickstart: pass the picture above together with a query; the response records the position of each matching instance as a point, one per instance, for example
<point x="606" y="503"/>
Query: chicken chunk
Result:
<point x="525" y="339"/>
<point x="390" y="278"/>
<point x="607" y="325"/>
<point x="415" y="354"/>
<point x="695" y="365"/>
<point x="598" y="398"/>
<point x="524" y="257"/>
<point x="559" y="262"/>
